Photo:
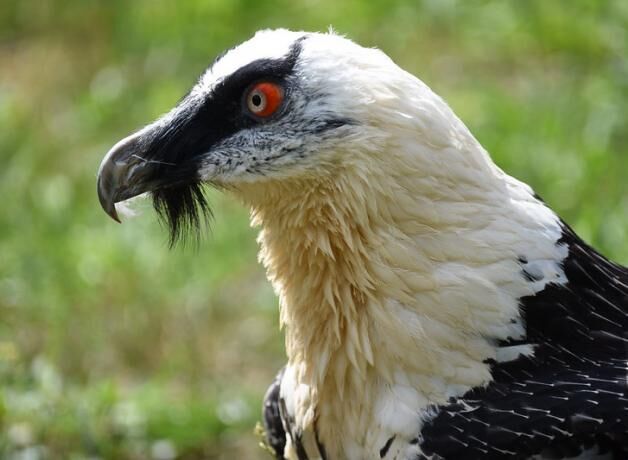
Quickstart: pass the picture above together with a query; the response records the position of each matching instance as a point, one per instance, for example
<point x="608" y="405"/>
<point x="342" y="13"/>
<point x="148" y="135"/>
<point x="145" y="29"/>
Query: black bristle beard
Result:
<point x="184" y="210"/>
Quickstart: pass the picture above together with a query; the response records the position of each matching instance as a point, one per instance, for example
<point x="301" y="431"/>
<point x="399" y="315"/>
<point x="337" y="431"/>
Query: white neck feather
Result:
<point x="397" y="271"/>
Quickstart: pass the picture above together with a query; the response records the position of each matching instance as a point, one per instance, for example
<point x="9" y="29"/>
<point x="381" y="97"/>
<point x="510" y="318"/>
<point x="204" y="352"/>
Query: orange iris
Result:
<point x="264" y="98"/>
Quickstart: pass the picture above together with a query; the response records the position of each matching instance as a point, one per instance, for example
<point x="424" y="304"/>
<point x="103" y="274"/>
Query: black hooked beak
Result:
<point x="151" y="161"/>
<point x="123" y="174"/>
<point x="163" y="159"/>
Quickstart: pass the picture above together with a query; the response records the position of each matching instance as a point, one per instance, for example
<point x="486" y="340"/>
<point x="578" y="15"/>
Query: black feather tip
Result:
<point x="184" y="210"/>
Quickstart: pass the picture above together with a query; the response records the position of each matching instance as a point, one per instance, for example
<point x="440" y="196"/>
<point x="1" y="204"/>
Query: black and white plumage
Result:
<point x="434" y="306"/>
<point x="571" y="396"/>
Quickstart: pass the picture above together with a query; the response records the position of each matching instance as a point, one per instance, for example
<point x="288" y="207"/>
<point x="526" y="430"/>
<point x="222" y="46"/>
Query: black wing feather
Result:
<point x="572" y="395"/>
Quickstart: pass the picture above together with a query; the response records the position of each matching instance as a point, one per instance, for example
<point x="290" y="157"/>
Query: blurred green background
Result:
<point x="113" y="346"/>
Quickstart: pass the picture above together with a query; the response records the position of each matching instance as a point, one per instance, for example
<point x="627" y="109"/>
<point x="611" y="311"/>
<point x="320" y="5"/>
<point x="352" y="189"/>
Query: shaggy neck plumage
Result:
<point x="398" y="268"/>
<point x="318" y="251"/>
<point x="387" y="269"/>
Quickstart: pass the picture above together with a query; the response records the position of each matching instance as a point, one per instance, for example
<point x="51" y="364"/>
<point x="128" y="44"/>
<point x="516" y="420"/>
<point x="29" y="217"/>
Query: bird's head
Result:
<point x="283" y="106"/>
<point x="374" y="199"/>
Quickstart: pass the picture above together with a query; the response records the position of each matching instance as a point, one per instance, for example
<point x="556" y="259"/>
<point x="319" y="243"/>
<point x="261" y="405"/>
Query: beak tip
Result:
<point x="110" y="208"/>
<point x="107" y="201"/>
<point x="114" y="214"/>
<point x="123" y="174"/>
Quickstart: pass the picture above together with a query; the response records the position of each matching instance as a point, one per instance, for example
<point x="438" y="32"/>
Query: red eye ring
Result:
<point x="263" y="99"/>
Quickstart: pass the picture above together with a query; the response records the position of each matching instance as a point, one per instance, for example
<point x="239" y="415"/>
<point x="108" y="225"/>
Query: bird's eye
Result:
<point x="263" y="99"/>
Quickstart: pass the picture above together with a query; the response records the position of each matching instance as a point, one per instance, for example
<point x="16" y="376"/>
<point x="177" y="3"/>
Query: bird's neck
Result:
<point x="319" y="254"/>
<point x="396" y="281"/>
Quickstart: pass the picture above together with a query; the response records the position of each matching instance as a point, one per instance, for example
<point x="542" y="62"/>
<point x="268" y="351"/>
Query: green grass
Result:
<point x="113" y="346"/>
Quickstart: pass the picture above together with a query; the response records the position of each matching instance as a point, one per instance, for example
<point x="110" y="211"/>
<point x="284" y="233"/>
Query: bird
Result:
<point x="434" y="307"/>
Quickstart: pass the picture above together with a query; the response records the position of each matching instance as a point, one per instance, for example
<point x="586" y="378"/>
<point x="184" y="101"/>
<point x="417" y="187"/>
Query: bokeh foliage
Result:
<point x="112" y="346"/>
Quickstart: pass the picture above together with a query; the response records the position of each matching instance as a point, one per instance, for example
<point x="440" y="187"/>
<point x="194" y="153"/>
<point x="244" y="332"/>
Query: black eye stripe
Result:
<point x="201" y="124"/>
<point x="198" y="126"/>
<point x="261" y="69"/>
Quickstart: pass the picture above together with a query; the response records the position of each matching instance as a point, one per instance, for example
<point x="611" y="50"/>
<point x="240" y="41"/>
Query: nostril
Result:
<point x="130" y="173"/>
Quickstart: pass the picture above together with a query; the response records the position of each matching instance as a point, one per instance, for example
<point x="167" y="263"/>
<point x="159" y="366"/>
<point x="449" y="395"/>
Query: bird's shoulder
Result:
<point x="588" y="313"/>
<point x="567" y="397"/>
<point x="555" y="404"/>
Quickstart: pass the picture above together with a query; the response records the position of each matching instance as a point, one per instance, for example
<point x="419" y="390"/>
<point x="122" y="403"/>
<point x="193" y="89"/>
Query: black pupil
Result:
<point x="256" y="100"/>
